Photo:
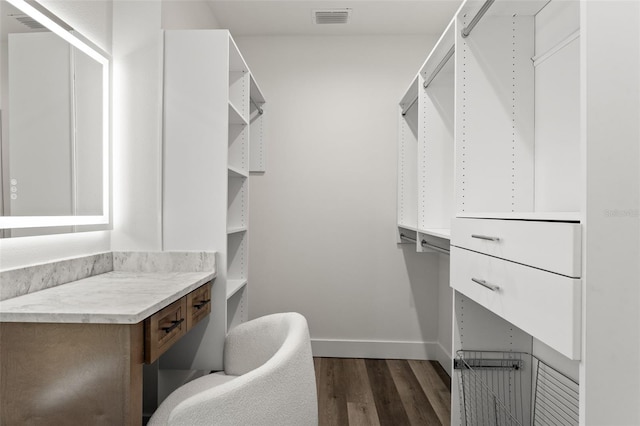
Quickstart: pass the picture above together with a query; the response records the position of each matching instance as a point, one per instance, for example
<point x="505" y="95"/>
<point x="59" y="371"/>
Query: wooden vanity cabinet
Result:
<point x="61" y="373"/>
<point x="87" y="373"/>
<point x="163" y="329"/>
<point x="167" y="326"/>
<point x="198" y="305"/>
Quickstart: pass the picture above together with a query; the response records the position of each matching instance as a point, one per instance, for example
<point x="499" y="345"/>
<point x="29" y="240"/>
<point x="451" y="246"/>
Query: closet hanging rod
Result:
<point x="258" y="107"/>
<point x="467" y="30"/>
<point x="408" y="107"/>
<point x="424" y="243"/>
<point x="441" y="65"/>
<point x="404" y="237"/>
<point x="538" y="59"/>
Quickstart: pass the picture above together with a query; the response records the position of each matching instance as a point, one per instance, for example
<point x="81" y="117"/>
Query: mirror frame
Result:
<point x="51" y="22"/>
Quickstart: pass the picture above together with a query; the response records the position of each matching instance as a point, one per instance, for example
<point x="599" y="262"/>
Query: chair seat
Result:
<point x="161" y="416"/>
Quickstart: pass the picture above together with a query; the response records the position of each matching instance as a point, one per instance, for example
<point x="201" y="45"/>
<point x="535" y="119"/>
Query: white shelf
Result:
<point x="236" y="230"/>
<point x="443" y="233"/>
<point x="236" y="61"/>
<point x="408" y="227"/>
<point x="234" y="286"/>
<point x="236" y="172"/>
<point x="411" y="92"/>
<point x="235" y="117"/>
<point x="256" y="93"/>
<point x="539" y="216"/>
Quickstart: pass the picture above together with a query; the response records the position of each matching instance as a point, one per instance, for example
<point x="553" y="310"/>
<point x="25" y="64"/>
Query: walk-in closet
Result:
<point x="292" y="212"/>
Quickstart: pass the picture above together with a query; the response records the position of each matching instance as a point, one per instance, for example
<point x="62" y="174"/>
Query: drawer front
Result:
<point x="541" y="303"/>
<point x="198" y="305"/>
<point x="164" y="328"/>
<point x="552" y="246"/>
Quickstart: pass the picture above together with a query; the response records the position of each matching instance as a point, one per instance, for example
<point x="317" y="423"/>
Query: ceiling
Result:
<point x="295" y="17"/>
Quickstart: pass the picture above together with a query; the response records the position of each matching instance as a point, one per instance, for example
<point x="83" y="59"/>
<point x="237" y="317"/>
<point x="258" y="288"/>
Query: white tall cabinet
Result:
<point x="212" y="104"/>
<point x="539" y="183"/>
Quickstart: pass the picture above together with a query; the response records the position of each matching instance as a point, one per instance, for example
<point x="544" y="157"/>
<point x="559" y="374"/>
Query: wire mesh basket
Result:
<point x="555" y="397"/>
<point x="513" y="389"/>
<point x="492" y="388"/>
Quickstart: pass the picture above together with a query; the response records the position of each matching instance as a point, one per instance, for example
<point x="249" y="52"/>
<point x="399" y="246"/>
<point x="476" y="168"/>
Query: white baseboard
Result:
<point x="332" y="348"/>
<point x="445" y="359"/>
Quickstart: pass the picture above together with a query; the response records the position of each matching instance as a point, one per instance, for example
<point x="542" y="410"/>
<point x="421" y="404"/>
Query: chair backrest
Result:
<point x="264" y="336"/>
<point x="276" y="384"/>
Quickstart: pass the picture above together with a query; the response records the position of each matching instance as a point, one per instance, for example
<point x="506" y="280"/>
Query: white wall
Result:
<point x="137" y="118"/>
<point x="188" y="14"/>
<point x="323" y="216"/>
<point x="93" y="19"/>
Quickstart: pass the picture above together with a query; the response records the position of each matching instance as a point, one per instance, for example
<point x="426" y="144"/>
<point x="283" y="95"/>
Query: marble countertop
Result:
<point x="117" y="297"/>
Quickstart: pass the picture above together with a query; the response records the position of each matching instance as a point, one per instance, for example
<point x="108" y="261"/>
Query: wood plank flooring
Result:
<point x="372" y="392"/>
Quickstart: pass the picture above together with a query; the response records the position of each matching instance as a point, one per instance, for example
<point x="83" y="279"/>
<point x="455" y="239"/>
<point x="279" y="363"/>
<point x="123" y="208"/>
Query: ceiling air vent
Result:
<point x="331" y="16"/>
<point x="28" y="21"/>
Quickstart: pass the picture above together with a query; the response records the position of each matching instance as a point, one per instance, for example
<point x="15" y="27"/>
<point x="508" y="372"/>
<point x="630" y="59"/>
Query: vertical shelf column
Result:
<point x="407" y="207"/>
<point x="237" y="263"/>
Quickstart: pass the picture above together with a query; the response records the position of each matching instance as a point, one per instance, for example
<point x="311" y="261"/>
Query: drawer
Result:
<point x="164" y="328"/>
<point x="552" y="246"/>
<point x="543" y="304"/>
<point x="198" y="305"/>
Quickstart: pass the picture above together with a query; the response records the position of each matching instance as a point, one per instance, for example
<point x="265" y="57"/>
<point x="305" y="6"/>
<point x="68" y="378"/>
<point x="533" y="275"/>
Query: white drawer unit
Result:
<point x="552" y="246"/>
<point x="543" y="304"/>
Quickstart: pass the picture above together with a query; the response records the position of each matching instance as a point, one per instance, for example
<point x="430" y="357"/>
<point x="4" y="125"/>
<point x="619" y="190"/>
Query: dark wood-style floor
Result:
<point x="369" y="392"/>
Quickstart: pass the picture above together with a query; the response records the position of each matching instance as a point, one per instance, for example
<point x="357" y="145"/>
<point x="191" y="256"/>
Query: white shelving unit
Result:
<point x="209" y="99"/>
<point x="425" y="150"/>
<point x="508" y="150"/>
<point x="407" y="165"/>
<point x="535" y="262"/>
<point x="435" y="142"/>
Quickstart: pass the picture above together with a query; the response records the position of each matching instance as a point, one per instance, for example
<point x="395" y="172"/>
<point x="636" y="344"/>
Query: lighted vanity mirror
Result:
<point x="54" y="117"/>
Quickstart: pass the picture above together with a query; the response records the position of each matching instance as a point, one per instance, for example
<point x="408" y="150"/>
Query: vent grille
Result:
<point x="332" y="16"/>
<point x="28" y="21"/>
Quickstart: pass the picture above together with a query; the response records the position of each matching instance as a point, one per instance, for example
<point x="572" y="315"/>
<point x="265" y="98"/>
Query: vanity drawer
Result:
<point x="164" y="328"/>
<point x="543" y="304"/>
<point x="552" y="246"/>
<point x="198" y="305"/>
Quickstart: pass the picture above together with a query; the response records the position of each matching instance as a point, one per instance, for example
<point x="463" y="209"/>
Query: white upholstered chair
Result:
<point x="268" y="380"/>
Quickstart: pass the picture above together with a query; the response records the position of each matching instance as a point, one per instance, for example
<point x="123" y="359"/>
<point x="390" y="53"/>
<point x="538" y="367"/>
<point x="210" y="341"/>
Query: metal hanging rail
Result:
<point x="258" y="107"/>
<point x="441" y="65"/>
<point x="467" y="30"/>
<point x="425" y="243"/>
<point x="433" y="75"/>
<point x="537" y="60"/>
<point x="404" y="237"/>
<point x="408" y="107"/>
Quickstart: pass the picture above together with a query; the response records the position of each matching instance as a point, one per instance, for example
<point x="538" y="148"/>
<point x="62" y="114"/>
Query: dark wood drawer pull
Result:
<point x="201" y="304"/>
<point x="173" y="326"/>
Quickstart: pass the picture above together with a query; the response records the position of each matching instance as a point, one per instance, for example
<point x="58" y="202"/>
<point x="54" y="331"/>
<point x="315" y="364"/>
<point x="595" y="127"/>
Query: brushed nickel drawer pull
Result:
<point x="485" y="284"/>
<point x="174" y="324"/>
<point x="201" y="304"/>
<point x="484" y="237"/>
